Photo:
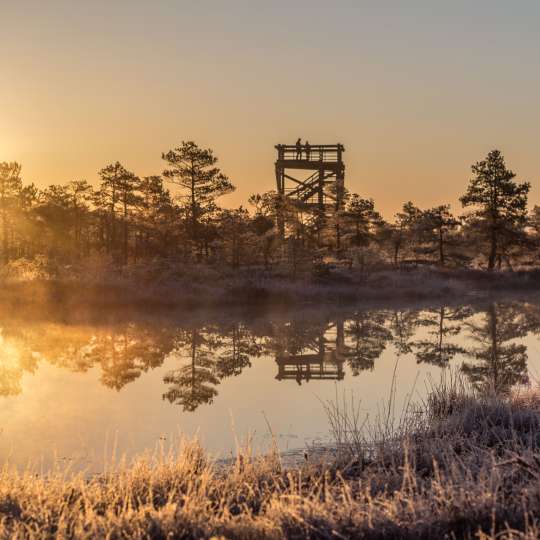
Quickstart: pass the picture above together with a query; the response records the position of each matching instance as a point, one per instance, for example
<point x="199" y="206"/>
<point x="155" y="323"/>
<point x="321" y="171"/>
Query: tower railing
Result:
<point x="329" y="153"/>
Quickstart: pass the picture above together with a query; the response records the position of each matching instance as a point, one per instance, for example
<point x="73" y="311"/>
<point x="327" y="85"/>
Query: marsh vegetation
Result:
<point x="463" y="465"/>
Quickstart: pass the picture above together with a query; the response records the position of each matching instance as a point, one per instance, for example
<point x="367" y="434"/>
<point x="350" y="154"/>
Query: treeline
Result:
<point x="175" y="216"/>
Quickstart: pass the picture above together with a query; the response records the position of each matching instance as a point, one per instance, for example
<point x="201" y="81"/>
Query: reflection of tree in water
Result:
<point x="212" y="353"/>
<point x="442" y="325"/>
<point x="304" y="347"/>
<point x="366" y="337"/>
<point x="193" y="383"/>
<point x="122" y="351"/>
<point x="531" y="314"/>
<point x="22" y="347"/>
<point x="403" y="325"/>
<point x="238" y="346"/>
<point x="15" y="360"/>
<point x="126" y="351"/>
<point x="497" y="364"/>
<point x="61" y="345"/>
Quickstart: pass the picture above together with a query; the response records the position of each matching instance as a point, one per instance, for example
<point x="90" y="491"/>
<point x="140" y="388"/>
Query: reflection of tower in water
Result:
<point x="320" y="359"/>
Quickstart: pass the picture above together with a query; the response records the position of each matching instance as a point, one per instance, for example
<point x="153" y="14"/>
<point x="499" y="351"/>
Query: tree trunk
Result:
<point x="441" y="334"/>
<point x="125" y="246"/>
<point x="397" y="246"/>
<point x="193" y="358"/>
<point x="493" y="249"/>
<point x="4" y="226"/>
<point x="193" y="207"/>
<point x="441" y="247"/>
<point x="112" y="239"/>
<point x="495" y="383"/>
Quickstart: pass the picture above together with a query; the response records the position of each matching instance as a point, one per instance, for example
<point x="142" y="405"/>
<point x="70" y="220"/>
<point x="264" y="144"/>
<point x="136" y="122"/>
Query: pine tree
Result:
<point x="118" y="187"/>
<point x="80" y="193"/>
<point x="194" y="170"/>
<point x="263" y="224"/>
<point x="402" y="233"/>
<point x="157" y="218"/>
<point x="234" y="228"/>
<point x="10" y="186"/>
<point x="500" y="204"/>
<point x="361" y="212"/>
<point x="436" y="223"/>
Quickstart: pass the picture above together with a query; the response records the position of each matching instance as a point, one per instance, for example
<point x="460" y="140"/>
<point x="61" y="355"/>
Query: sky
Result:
<point x="417" y="91"/>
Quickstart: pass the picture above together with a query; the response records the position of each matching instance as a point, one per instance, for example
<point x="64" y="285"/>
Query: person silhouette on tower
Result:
<point x="299" y="148"/>
<point x="308" y="150"/>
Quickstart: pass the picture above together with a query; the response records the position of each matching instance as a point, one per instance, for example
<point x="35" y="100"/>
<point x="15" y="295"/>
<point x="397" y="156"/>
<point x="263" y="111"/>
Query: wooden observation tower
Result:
<point x="311" y="178"/>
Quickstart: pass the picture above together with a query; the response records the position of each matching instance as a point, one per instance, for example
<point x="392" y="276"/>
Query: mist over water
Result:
<point x="76" y="389"/>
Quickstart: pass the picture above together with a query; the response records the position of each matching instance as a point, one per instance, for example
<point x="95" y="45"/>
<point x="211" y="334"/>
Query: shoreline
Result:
<point x="261" y="292"/>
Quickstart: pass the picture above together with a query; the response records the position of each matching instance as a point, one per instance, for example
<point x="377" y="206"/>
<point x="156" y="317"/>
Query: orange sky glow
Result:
<point x="415" y="91"/>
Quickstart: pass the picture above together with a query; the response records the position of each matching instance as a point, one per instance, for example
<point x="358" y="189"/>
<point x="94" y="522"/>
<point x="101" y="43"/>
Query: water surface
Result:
<point x="75" y="389"/>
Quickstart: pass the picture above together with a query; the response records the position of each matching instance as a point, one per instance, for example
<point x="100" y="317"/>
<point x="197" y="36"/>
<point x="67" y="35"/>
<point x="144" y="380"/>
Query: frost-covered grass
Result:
<point x="461" y="466"/>
<point x="190" y="285"/>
